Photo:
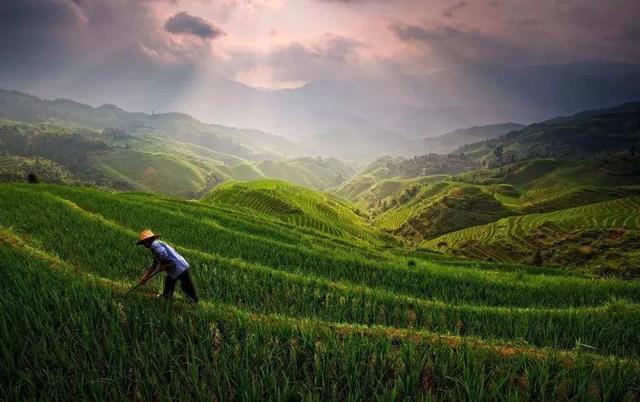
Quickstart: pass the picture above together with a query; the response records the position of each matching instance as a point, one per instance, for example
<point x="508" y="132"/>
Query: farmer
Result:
<point x="166" y="259"/>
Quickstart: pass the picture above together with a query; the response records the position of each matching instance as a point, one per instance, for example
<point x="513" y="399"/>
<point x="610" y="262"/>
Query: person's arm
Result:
<point x="160" y="255"/>
<point x="150" y="271"/>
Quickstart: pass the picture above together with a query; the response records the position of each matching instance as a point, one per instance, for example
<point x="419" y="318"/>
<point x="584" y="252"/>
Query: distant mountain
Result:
<point x="488" y="94"/>
<point x="590" y="134"/>
<point x="362" y="144"/>
<point x="387" y="175"/>
<point x="172" y="153"/>
<point x="249" y="144"/>
<point x="452" y="140"/>
<point x="411" y="106"/>
<point x="433" y="104"/>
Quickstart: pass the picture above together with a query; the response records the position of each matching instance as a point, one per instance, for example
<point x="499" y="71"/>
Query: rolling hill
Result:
<point x="449" y="203"/>
<point x="103" y="158"/>
<point x="311" y="172"/>
<point x="591" y="134"/>
<point x="172" y="153"/>
<point x="113" y="159"/>
<point x="449" y="142"/>
<point x="414" y="106"/>
<point x="17" y="168"/>
<point x="601" y="235"/>
<point x="287" y="310"/>
<point x="180" y="127"/>
<point x="424" y="212"/>
<point x="295" y="205"/>
<point x="449" y="213"/>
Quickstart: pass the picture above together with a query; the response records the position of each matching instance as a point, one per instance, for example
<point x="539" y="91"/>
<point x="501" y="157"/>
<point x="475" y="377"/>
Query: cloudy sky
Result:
<point x="286" y="43"/>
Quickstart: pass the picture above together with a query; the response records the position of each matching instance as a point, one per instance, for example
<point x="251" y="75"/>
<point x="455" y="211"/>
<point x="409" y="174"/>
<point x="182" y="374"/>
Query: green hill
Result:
<point x="591" y="134"/>
<point x="246" y="144"/>
<point x="458" y="214"/>
<point x="451" y="141"/>
<point x="424" y="212"/>
<point x="388" y="175"/>
<point x="602" y="235"/>
<point x="296" y="205"/>
<point x="17" y="169"/>
<point x="289" y="310"/>
<point x="105" y="158"/>
<point x="316" y="173"/>
<point x="150" y="162"/>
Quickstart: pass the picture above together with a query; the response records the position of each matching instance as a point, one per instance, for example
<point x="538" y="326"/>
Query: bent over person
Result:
<point x="167" y="259"/>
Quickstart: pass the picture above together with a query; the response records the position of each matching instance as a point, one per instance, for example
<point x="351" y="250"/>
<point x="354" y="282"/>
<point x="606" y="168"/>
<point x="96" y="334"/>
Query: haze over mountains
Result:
<point x="411" y="106"/>
<point x="378" y="200"/>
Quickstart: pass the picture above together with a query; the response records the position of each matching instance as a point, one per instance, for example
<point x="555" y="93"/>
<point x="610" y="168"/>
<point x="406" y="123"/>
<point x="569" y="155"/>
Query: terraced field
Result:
<point x="623" y="213"/>
<point x="315" y="173"/>
<point x="290" y="311"/>
<point x="298" y="206"/>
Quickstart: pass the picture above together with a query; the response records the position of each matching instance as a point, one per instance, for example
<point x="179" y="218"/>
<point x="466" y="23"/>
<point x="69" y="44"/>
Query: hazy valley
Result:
<point x="359" y="200"/>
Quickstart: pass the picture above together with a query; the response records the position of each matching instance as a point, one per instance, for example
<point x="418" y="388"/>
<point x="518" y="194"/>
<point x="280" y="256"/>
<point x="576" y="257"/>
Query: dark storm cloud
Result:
<point x="40" y="13"/>
<point x="451" y="10"/>
<point x="55" y="43"/>
<point x="460" y="45"/>
<point x="96" y="51"/>
<point x="63" y="34"/>
<point x="183" y="23"/>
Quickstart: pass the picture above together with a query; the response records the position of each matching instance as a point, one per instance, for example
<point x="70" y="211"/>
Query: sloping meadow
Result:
<point x="286" y="312"/>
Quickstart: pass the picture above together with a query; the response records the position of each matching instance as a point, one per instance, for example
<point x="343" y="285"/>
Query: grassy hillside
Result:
<point x="423" y="209"/>
<point x="247" y="144"/>
<point x="591" y="134"/>
<point x="296" y="205"/>
<point x="424" y="212"/>
<point x="17" y="169"/>
<point x="153" y="171"/>
<point x="451" y="141"/>
<point x="150" y="162"/>
<point x="602" y="235"/>
<point x="58" y="153"/>
<point x="288" y="312"/>
<point x="387" y="175"/>
<point x="316" y="173"/>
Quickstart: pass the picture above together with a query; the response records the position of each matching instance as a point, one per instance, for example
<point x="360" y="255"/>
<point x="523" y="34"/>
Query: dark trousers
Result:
<point x="185" y="284"/>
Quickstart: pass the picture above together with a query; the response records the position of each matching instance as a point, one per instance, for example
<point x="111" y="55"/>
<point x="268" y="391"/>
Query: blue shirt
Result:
<point x="168" y="258"/>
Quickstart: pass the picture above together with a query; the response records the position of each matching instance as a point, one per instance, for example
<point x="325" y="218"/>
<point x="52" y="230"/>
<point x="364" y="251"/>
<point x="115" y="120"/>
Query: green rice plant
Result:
<point x="118" y="346"/>
<point x="288" y="312"/>
<point x="430" y="280"/>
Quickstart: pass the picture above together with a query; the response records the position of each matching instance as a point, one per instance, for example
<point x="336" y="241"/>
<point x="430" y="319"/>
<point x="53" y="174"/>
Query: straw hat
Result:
<point x="146" y="235"/>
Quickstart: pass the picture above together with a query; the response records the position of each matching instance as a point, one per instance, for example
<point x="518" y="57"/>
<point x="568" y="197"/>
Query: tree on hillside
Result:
<point x="498" y="151"/>
<point x="32" y="178"/>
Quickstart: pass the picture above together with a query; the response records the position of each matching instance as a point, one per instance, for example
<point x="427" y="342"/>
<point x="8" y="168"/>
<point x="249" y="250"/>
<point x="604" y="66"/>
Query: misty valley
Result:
<point x="312" y="200"/>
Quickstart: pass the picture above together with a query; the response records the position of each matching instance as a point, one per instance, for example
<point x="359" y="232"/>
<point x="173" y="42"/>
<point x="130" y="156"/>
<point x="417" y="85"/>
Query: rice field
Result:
<point x="296" y="205"/>
<point x="619" y="213"/>
<point x="291" y="310"/>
